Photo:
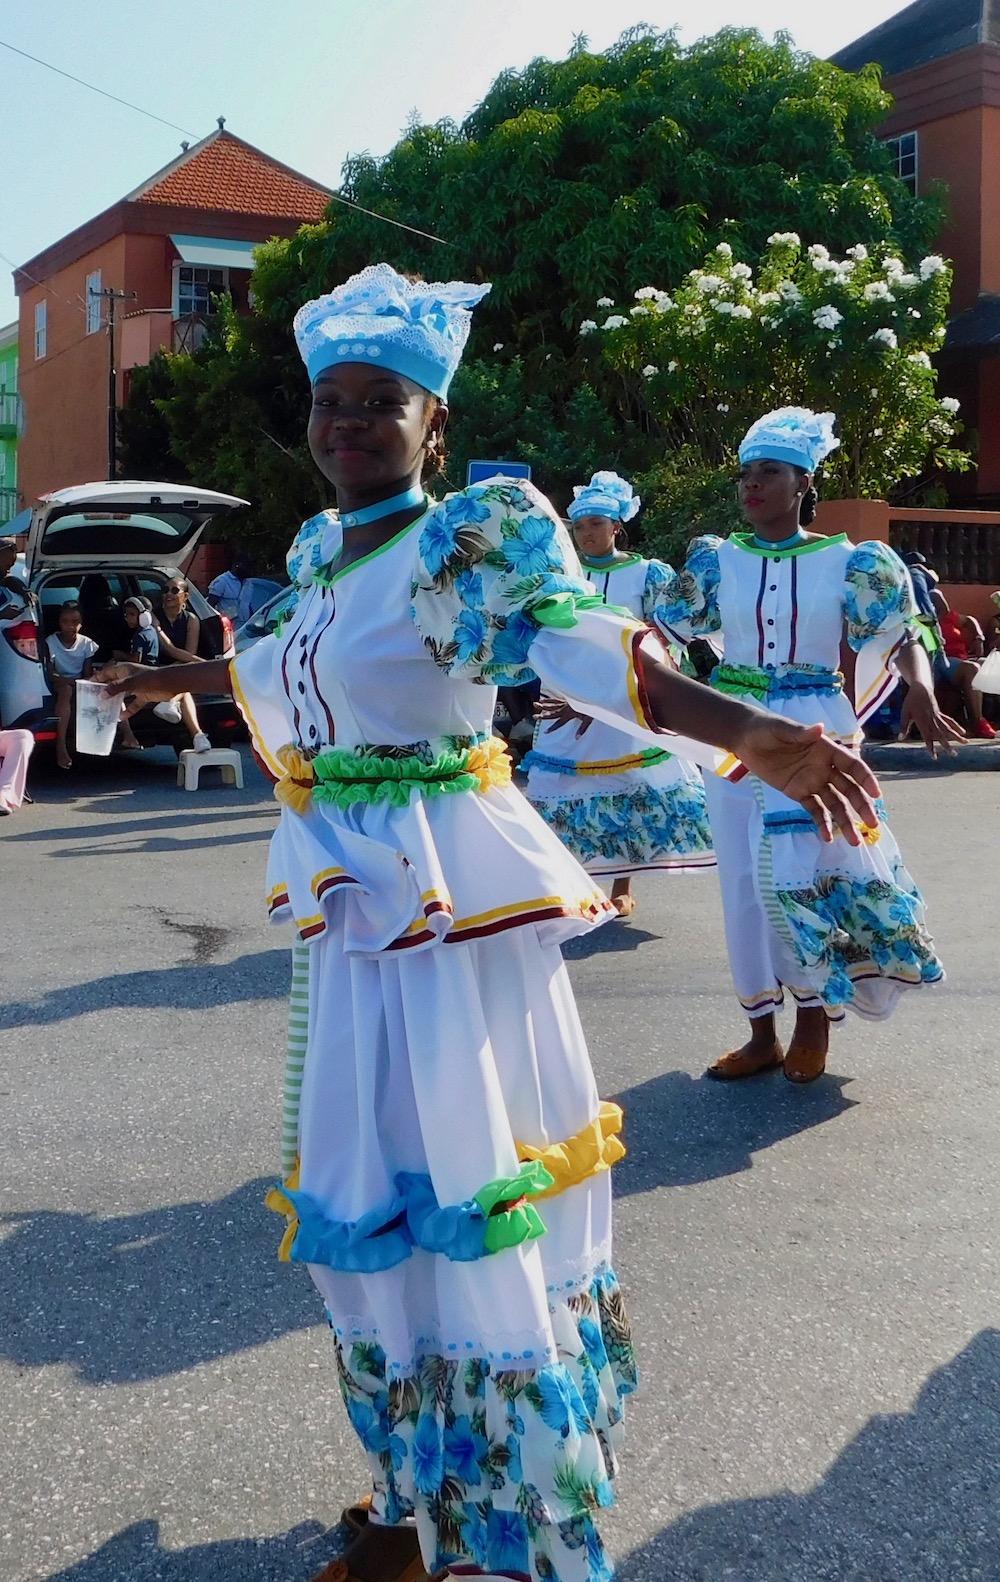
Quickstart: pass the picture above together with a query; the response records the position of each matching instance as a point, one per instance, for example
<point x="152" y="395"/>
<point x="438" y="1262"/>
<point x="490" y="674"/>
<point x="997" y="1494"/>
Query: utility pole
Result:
<point x="111" y="296"/>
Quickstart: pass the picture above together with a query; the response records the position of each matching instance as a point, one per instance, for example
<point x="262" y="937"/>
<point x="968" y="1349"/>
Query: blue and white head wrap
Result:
<point x="410" y="327"/>
<point x="605" y="495"/>
<point x="793" y="434"/>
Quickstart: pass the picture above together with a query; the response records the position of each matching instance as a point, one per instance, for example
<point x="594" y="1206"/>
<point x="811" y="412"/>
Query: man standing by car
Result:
<point x="228" y="592"/>
<point x="13" y="591"/>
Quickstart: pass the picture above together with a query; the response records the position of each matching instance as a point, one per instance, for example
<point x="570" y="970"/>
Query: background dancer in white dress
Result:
<point x="621" y="808"/>
<point x="837" y="926"/>
<point x="452" y="1195"/>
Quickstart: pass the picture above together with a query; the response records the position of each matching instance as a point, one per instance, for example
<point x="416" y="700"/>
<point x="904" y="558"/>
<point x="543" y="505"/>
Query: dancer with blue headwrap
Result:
<point x="840" y="926"/>
<point x="621" y="808"/>
<point x="451" y="1195"/>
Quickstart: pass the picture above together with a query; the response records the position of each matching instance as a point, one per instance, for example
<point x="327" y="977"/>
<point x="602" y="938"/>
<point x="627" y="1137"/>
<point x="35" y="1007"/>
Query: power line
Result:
<point x="102" y="91"/>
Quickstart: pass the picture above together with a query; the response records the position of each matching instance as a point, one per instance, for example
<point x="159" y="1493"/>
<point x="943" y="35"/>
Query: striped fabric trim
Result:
<point x="295" y="1057"/>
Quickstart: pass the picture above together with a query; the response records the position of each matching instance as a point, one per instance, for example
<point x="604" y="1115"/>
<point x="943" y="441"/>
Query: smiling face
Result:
<point x="175" y="596"/>
<point x="595" y="536"/>
<point x="369" y="431"/>
<point x="770" y="493"/>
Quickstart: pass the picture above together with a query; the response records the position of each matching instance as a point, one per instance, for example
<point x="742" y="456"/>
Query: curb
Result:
<point x="913" y="757"/>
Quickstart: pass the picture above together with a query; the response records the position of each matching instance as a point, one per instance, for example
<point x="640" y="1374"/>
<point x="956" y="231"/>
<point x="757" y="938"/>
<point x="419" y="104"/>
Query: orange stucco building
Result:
<point x="173" y="245"/>
<point x="940" y="60"/>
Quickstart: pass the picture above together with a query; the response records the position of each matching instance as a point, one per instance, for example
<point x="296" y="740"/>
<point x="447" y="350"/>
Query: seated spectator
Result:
<point x="993" y="628"/>
<point x="13" y="593"/>
<point x="963" y="649"/>
<point x="15" y="750"/>
<point x="144" y="649"/>
<point x="177" y="629"/>
<point x="71" y="657"/>
<point x="229" y="593"/>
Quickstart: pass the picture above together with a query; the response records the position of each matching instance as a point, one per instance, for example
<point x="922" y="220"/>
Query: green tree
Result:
<point x="572" y="181"/>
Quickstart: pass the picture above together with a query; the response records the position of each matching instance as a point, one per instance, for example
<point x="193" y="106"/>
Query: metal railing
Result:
<point x="8" y="504"/>
<point x="10" y="412"/>
<point x="958" y="551"/>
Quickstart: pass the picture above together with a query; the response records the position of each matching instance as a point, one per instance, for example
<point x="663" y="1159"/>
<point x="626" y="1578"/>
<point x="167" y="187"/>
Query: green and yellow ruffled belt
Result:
<point x="346" y="777"/>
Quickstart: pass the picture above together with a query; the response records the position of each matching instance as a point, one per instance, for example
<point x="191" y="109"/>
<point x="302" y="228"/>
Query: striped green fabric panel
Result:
<point x="295" y="1057"/>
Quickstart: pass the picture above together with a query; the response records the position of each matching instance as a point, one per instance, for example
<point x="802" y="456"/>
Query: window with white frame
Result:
<point x="196" y="290"/>
<point x="93" y="295"/>
<point x="41" y="329"/>
<point x="903" y="152"/>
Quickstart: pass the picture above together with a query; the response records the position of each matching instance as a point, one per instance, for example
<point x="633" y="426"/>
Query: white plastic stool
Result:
<point x="226" y="759"/>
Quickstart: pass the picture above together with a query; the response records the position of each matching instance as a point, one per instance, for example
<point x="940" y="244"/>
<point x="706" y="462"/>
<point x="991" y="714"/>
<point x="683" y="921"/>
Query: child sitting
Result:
<point x="71" y="656"/>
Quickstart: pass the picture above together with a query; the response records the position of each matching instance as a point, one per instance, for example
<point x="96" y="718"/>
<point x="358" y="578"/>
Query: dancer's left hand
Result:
<point x="832" y="783"/>
<point x="937" y="729"/>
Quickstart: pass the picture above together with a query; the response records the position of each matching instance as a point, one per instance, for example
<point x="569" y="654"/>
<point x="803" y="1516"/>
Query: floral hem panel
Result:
<point x="642" y="828"/>
<point x="503" y="1470"/>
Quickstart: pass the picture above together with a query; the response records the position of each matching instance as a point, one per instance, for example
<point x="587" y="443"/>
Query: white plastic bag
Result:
<point x="987" y="677"/>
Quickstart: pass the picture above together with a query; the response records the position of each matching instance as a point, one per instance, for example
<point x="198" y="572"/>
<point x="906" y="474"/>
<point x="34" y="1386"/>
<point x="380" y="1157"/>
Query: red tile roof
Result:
<point x="223" y="172"/>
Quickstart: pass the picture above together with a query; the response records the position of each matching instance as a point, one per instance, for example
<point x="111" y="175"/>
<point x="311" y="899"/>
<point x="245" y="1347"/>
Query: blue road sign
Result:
<point x="479" y="471"/>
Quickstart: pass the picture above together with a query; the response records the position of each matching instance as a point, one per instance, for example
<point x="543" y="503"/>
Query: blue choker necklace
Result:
<point x="600" y="561"/>
<point x="373" y="513"/>
<point x="798" y="537"/>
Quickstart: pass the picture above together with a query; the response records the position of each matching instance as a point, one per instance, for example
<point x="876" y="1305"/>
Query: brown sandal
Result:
<point x="624" y="905"/>
<point x="337" y="1571"/>
<point x="355" y="1517"/>
<point x="741" y="1063"/>
<point x="804" y="1065"/>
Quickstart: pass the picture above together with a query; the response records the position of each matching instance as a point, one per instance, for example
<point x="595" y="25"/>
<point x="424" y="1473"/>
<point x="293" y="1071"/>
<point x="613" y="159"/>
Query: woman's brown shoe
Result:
<point x="355" y="1517"/>
<point x="337" y="1571"/>
<point x="804" y="1065"/>
<point x="745" y="1062"/>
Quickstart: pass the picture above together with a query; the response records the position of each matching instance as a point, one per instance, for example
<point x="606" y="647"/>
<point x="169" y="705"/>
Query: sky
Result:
<point x="308" y="81"/>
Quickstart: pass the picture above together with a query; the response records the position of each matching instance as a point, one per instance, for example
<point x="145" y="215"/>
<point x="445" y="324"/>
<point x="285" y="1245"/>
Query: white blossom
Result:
<point x="908" y="282"/>
<point x="932" y="265"/>
<point x="708" y="283"/>
<point x="692" y="308"/>
<point x="723" y="307"/>
<point x="920" y="358"/>
<point x="587" y="327"/>
<point x="741" y="272"/>
<point x="605" y="302"/>
<point x="498" y="346"/>
<point x="639" y="311"/>
<point x="832" y="345"/>
<point x="873" y="391"/>
<point x="647" y="294"/>
<point x="858" y="252"/>
<point x="614" y="321"/>
<point x="742" y="312"/>
<point x="827" y="317"/>
<point x="725" y="249"/>
<point x="722" y="407"/>
<point x="894" y="269"/>
<point x="767" y="297"/>
<point x="877" y="291"/>
<point x="817" y="250"/>
<point x="784" y="239"/>
<point x="789" y="291"/>
<point x="949" y="404"/>
<point x="672" y="366"/>
<point x="649" y="371"/>
<point x="885" y="338"/>
<point x="914" y="314"/>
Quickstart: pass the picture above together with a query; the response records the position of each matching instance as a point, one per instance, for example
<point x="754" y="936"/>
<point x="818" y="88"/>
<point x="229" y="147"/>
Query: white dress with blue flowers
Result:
<point x="620" y="807"/>
<point x="836" y="925"/>
<point x="452" y="1193"/>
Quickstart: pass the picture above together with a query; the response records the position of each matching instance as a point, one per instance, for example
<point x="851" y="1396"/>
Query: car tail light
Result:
<point x="23" y="638"/>
<point x="228" y="637"/>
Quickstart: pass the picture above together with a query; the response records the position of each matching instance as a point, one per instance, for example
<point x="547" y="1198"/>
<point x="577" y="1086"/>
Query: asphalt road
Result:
<point x="812" y="1273"/>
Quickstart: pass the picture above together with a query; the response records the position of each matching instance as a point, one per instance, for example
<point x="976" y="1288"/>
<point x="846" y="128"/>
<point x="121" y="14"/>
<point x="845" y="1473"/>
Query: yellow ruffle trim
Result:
<point x="295" y="786"/>
<point x="597" y="1147"/>
<point x="490" y="763"/>
<point x="277" y="1201"/>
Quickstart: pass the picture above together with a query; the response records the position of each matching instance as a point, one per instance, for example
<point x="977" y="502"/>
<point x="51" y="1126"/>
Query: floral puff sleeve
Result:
<point x="498" y="596"/>
<point x="311" y="547"/>
<point x="688" y="604"/>
<point x="880" y="613"/>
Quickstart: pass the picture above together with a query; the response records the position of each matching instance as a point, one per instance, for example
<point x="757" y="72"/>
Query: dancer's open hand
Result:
<point x="832" y="783"/>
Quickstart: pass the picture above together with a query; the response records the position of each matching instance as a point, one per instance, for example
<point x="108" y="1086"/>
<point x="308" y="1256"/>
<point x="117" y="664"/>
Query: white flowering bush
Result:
<point x="852" y="335"/>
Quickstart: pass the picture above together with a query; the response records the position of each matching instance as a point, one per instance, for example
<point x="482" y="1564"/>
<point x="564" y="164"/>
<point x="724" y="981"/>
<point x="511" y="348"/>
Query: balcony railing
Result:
<point x="10" y="414"/>
<point x="8" y="504"/>
<point x="959" y="550"/>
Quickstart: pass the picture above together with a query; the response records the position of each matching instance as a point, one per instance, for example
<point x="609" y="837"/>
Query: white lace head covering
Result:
<point x="605" y="495"/>
<point x="793" y="434"/>
<point x="416" y="328"/>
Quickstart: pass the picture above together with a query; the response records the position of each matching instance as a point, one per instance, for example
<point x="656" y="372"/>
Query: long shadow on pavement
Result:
<point x="680" y="1129"/>
<point x="261" y="976"/>
<point x="607" y="940"/>
<point x="136" y="1555"/>
<point x="914" y="1498"/>
<point x="142" y="1295"/>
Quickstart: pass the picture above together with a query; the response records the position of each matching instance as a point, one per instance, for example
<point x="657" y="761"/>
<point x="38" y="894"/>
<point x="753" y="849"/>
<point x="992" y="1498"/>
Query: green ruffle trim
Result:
<point x="513" y="1225"/>
<point x="560" y="609"/>
<point x="346" y="778"/>
<point x="741" y="679"/>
